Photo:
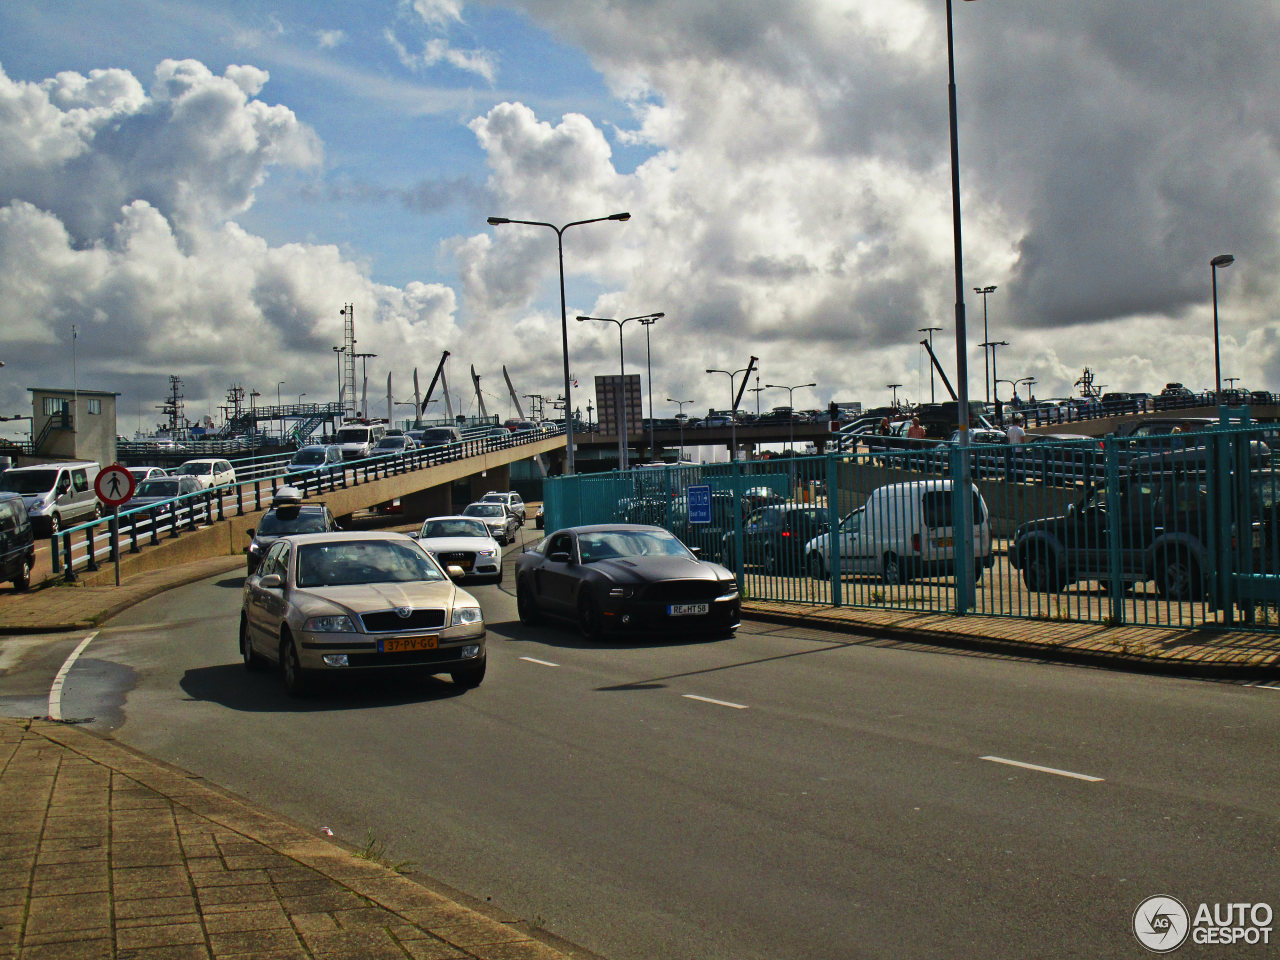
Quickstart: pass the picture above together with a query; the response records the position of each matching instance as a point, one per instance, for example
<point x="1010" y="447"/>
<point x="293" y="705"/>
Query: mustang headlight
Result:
<point x="728" y="589"/>
<point x="621" y="593"/>
<point x="333" y="624"/>
<point x="464" y="616"/>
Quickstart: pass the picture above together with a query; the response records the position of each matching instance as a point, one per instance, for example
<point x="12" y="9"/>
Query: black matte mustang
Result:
<point x="624" y="577"/>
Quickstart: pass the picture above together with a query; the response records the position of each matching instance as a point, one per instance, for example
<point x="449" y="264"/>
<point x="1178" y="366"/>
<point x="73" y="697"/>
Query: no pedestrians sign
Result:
<point x="114" y="485"/>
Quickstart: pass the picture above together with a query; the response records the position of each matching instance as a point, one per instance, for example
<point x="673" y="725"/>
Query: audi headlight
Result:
<point x="465" y="616"/>
<point x="486" y="553"/>
<point x="332" y="624"/>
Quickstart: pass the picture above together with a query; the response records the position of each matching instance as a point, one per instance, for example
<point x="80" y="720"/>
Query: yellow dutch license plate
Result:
<point x="407" y="644"/>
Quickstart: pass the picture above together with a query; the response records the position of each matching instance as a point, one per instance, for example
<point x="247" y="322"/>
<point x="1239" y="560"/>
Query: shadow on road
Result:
<point x="231" y="686"/>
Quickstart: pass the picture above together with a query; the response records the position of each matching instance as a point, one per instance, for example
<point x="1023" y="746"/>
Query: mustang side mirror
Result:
<point x="560" y="556"/>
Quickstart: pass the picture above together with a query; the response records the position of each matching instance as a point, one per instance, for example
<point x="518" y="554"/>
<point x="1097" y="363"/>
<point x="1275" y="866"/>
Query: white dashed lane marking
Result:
<point x="718" y="703"/>
<point x="541" y="663"/>
<point x="1040" y="769"/>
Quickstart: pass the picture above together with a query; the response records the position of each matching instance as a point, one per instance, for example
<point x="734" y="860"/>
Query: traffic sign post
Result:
<point x="115" y="486"/>
<point x="699" y="503"/>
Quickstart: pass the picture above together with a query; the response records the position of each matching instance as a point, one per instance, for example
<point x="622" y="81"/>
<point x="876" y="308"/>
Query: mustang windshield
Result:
<point x="346" y="562"/>
<point x="629" y="543"/>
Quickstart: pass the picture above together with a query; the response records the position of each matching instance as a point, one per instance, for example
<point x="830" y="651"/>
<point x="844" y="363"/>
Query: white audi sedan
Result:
<point x="463" y="542"/>
<point x="332" y="603"/>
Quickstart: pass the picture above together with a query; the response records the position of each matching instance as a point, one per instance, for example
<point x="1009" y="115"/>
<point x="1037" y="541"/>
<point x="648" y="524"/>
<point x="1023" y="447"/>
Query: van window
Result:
<point x="8" y="520"/>
<point x="28" y="481"/>
<point x="936" y="505"/>
<point x="79" y="481"/>
<point x="355" y="435"/>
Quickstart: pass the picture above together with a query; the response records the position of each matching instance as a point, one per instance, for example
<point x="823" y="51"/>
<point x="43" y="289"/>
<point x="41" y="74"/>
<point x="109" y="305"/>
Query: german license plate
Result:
<point x="407" y="644"/>
<point x="687" y="609"/>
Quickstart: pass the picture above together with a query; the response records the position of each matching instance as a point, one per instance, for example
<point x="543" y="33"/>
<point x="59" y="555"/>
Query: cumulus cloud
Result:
<point x="329" y="39"/>
<point x="116" y="207"/>
<point x="797" y="200"/>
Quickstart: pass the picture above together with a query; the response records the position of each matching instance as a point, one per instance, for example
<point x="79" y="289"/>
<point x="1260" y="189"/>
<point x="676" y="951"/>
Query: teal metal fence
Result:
<point x="1171" y="530"/>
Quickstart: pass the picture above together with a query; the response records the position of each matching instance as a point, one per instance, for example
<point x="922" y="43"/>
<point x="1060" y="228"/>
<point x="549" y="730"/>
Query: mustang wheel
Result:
<point x="590" y="621"/>
<point x="526" y="606"/>
<point x="1040" y="571"/>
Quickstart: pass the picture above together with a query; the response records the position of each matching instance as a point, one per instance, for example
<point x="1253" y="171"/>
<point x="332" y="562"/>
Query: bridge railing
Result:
<point x="87" y="546"/>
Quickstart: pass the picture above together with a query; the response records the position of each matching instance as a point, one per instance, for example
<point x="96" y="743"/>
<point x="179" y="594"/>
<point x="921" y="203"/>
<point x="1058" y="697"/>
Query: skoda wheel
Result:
<point x="891" y="570"/>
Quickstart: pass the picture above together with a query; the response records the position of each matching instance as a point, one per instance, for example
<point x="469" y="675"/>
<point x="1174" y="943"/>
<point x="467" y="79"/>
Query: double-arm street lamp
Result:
<point x="733" y="411"/>
<point x="680" y="404"/>
<point x="986" y="378"/>
<point x="992" y="345"/>
<point x="1222" y="260"/>
<point x="622" y="379"/>
<point x="792" y="408"/>
<point x="564" y="319"/>
<point x="648" y="322"/>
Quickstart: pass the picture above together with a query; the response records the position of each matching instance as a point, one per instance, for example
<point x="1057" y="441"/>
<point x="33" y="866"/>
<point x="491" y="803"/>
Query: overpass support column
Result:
<point x="431" y="502"/>
<point x="498" y="478"/>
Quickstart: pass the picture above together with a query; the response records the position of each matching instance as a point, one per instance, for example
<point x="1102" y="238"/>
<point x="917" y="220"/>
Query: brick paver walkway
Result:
<point x="108" y="855"/>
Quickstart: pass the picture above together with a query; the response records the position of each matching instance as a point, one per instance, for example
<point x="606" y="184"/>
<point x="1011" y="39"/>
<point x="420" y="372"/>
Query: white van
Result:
<point x="903" y="532"/>
<point x="55" y="494"/>
<point x="357" y="440"/>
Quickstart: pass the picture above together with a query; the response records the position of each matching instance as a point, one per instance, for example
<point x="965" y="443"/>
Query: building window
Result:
<point x="54" y="406"/>
<point x="95" y="405"/>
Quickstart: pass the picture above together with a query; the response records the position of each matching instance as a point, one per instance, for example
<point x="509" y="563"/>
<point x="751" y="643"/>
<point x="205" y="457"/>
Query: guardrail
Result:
<point x="88" y="545"/>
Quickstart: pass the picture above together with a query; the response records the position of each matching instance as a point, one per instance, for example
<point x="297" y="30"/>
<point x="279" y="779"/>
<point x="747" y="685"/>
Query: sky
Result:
<point x="197" y="188"/>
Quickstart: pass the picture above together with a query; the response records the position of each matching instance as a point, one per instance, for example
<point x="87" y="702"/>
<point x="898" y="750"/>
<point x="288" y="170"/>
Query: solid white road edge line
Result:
<point x="718" y="703"/>
<point x="1037" y="767"/>
<point x="543" y="663"/>
<point x="55" y="692"/>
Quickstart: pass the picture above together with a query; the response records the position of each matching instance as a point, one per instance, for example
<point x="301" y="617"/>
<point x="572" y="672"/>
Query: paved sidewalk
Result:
<point x="108" y="855"/>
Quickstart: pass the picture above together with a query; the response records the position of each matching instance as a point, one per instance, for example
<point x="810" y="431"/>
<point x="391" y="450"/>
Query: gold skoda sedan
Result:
<point x="328" y="603"/>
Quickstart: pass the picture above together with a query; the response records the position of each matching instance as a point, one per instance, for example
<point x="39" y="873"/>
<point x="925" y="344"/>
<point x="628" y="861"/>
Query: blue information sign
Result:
<point x="699" y="503"/>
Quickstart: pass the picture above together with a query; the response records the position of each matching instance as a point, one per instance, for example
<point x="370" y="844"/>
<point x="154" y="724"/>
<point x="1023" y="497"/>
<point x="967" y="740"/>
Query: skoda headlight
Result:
<point x="331" y="624"/>
<point x="464" y="616"/>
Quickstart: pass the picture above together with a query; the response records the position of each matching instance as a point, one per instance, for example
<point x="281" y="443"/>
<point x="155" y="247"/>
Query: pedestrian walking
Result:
<point x="1016" y="436"/>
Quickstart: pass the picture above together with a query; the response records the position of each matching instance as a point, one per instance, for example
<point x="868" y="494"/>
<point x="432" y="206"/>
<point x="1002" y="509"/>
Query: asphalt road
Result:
<point x="786" y="794"/>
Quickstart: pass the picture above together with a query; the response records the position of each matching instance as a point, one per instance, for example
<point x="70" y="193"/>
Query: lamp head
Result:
<point x="1222" y="260"/>
<point x="614" y="216"/>
<point x="496" y="221"/>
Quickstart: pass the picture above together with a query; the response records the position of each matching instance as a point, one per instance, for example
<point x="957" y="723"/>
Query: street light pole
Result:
<point x="929" y="331"/>
<point x="1222" y="260"/>
<point x="648" y="322"/>
<point x="965" y="596"/>
<point x="280" y="409"/>
<point x="680" y="416"/>
<point x="622" y="380"/>
<point x="791" y="432"/>
<point x="986" y="379"/>
<point x="338" y="352"/>
<point x="894" y="387"/>
<point x="564" y="318"/>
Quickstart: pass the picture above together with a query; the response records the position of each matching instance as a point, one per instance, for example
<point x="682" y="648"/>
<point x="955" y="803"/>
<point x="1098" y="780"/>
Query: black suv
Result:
<point x="17" y="541"/>
<point x="287" y="516"/>
<point x="774" y="537"/>
<point x="1162" y="518"/>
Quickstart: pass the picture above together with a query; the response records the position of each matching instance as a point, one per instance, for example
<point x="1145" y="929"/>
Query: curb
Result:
<point x="1049" y="653"/>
